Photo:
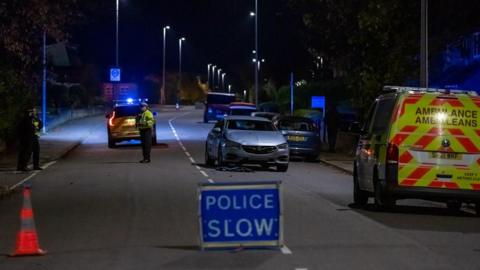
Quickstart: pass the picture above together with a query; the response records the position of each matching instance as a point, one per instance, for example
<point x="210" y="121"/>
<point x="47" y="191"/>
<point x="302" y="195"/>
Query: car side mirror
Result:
<point x="217" y="130"/>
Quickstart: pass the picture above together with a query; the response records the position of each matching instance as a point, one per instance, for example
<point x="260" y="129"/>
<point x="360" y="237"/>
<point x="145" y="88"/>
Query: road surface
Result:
<point x="98" y="208"/>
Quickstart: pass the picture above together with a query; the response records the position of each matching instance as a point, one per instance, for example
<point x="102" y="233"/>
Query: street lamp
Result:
<point x="213" y="77"/>
<point x="223" y="81"/>
<point x="229" y="88"/>
<point x="219" y="72"/>
<point x="116" y="31"/>
<point x="424" y="45"/>
<point x="255" y="14"/>
<point x="208" y="76"/>
<point x="180" y="41"/>
<point x="162" y="91"/>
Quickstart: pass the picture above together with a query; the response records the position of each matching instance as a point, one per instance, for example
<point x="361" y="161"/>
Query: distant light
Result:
<point x="182" y="39"/>
<point x="254" y="51"/>
<point x="254" y="60"/>
<point x="129" y="100"/>
<point x="263" y="60"/>
<point x="167" y="27"/>
<point x="252" y="14"/>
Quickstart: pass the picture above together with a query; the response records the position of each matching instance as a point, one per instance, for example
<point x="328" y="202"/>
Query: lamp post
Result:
<point x="424" y="45"/>
<point x="223" y="81"/>
<point x="162" y="91"/>
<point x="44" y="83"/>
<point x="219" y="72"/>
<point x="180" y="41"/>
<point x="208" y="76"/>
<point x="213" y="77"/>
<point x="256" y="52"/>
<point x="117" y="9"/>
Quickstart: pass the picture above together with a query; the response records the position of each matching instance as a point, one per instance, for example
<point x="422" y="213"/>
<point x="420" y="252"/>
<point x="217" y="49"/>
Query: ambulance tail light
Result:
<point x="392" y="153"/>
<point x="110" y="120"/>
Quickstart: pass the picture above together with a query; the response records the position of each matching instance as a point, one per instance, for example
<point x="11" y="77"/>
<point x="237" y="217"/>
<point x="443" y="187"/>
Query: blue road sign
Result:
<point x="318" y="102"/>
<point x="240" y="214"/>
<point x="115" y="74"/>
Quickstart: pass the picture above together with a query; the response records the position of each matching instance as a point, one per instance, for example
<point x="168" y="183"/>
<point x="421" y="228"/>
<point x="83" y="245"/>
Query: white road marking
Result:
<point x="175" y="133"/>
<point x="285" y="250"/>
<point x="301" y="268"/>
<point x="32" y="175"/>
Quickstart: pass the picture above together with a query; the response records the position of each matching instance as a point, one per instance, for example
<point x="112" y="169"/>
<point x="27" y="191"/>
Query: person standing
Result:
<point x="28" y="134"/>
<point x="331" y="121"/>
<point x="145" y="124"/>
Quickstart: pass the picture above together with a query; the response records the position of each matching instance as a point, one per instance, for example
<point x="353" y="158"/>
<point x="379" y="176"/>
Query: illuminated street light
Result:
<point x="162" y="92"/>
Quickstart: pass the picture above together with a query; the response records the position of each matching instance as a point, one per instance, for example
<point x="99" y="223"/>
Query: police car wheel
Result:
<point x="382" y="202"/>
<point x="360" y="197"/>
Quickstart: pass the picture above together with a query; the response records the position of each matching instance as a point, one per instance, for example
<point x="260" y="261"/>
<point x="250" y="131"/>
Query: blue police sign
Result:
<point x="240" y="214"/>
<point x="318" y="102"/>
<point x="115" y="74"/>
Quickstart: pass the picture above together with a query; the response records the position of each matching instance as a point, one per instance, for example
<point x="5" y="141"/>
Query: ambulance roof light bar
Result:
<point x="399" y="89"/>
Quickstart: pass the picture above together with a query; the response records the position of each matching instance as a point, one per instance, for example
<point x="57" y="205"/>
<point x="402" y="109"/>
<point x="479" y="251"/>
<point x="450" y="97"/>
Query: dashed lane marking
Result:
<point x="185" y="151"/>
<point x="285" y="250"/>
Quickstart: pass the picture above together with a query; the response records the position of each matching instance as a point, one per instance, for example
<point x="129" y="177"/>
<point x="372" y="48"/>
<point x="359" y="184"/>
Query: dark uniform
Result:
<point x="145" y="123"/>
<point x="28" y="135"/>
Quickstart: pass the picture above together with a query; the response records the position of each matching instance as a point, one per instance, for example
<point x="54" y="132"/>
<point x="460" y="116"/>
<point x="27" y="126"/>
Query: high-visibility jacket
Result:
<point x="146" y="120"/>
<point x="37" y="125"/>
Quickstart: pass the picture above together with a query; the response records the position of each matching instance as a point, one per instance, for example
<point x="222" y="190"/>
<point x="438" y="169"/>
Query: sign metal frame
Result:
<point x="242" y="186"/>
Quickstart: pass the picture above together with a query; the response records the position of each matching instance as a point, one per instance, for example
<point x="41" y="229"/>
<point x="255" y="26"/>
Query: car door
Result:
<point x="214" y="138"/>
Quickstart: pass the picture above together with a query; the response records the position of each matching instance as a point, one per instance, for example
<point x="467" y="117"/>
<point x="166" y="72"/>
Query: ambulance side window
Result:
<point x="383" y="114"/>
<point x="366" y="130"/>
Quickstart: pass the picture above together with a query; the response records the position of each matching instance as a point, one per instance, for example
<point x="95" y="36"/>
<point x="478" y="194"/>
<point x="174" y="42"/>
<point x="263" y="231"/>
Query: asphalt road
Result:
<point x="98" y="208"/>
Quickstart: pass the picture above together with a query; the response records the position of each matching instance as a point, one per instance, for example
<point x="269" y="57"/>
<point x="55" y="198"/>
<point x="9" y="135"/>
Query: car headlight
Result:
<point x="283" y="146"/>
<point x="231" y="144"/>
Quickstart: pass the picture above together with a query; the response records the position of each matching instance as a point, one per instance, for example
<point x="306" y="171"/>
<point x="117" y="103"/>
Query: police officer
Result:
<point x="29" y="134"/>
<point x="145" y="123"/>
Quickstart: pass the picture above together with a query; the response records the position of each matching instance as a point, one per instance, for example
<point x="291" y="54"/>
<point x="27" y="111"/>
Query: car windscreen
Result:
<point x="246" y="112"/>
<point x="123" y="111"/>
<point x="296" y="125"/>
<point x="252" y="125"/>
<point x="220" y="99"/>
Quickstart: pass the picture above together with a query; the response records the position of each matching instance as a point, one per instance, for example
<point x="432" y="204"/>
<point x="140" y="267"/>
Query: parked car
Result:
<point x="420" y="143"/>
<point x="217" y="106"/>
<point x="268" y="115"/>
<point x="246" y="140"/>
<point x="241" y="108"/>
<point x="302" y="135"/>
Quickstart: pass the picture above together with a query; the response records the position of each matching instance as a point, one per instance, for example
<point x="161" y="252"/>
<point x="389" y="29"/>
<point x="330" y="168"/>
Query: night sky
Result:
<point x="217" y="31"/>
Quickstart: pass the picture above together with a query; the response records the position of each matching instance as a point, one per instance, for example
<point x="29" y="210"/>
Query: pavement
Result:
<point x="341" y="161"/>
<point x="98" y="208"/>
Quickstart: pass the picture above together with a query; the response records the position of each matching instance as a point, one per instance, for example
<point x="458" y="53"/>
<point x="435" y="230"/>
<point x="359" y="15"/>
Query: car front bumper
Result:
<point x="240" y="156"/>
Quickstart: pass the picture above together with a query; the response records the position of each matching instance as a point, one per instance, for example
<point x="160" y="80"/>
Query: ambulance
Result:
<point x="420" y="143"/>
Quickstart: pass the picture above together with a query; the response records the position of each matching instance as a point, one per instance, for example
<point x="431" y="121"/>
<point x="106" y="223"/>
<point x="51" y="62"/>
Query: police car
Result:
<point x="420" y="143"/>
<point x="121" y="124"/>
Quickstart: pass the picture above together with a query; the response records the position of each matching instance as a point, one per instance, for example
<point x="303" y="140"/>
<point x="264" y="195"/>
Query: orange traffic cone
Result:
<point x="27" y="240"/>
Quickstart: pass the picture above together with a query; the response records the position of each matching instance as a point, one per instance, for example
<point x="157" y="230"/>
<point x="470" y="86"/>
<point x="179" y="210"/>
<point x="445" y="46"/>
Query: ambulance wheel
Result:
<point x="477" y="209"/>
<point x="209" y="161"/>
<point x="382" y="201"/>
<point x="454" y="206"/>
<point x="360" y="197"/>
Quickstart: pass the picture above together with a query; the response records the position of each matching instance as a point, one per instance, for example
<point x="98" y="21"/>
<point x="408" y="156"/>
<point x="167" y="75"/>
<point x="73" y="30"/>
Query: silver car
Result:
<point x="246" y="140"/>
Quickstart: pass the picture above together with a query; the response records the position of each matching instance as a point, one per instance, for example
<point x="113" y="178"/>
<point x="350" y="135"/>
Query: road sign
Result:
<point x="115" y="74"/>
<point x="240" y="214"/>
<point x="318" y="102"/>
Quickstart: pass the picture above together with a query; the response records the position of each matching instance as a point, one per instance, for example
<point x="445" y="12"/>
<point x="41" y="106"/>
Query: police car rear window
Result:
<point x="127" y="111"/>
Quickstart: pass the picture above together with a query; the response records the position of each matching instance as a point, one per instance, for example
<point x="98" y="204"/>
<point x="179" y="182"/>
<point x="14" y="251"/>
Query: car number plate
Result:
<point x="441" y="155"/>
<point x="296" y="138"/>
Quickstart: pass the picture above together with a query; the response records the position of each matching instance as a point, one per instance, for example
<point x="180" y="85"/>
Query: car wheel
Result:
<point x="454" y="206"/>
<point x="282" y="167"/>
<point x="220" y="162"/>
<point x="382" y="201"/>
<point x="360" y="197"/>
<point x="209" y="161"/>
<point x="111" y="143"/>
